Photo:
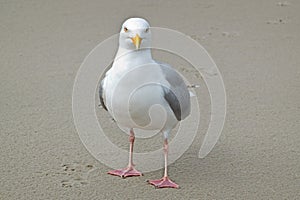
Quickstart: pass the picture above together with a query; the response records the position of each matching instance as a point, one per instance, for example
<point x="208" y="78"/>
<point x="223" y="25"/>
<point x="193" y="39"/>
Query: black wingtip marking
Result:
<point x="101" y="97"/>
<point x="174" y="103"/>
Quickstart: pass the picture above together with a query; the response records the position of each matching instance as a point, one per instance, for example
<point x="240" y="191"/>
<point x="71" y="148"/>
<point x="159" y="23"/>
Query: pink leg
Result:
<point x="164" y="182"/>
<point x="129" y="170"/>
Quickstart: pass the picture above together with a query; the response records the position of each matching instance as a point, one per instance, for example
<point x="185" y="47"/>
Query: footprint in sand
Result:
<point x="285" y="3"/>
<point x="76" y="174"/>
<point x="278" y="21"/>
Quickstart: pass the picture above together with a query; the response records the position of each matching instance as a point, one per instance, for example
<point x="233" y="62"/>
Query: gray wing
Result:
<point x="177" y="96"/>
<point x="101" y="95"/>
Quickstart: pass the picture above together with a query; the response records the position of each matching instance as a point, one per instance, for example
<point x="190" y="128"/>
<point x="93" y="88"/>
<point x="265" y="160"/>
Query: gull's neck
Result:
<point x="130" y="57"/>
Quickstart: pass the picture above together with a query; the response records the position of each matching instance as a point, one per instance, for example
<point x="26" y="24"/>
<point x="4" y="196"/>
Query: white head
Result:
<point x="135" y="34"/>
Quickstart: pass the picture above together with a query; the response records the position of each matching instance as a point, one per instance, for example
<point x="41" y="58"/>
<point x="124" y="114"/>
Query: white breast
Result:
<point x="135" y="98"/>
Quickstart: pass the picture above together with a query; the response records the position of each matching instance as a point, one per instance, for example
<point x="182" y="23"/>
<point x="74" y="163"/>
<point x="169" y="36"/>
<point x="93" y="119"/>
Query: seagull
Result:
<point x="134" y="84"/>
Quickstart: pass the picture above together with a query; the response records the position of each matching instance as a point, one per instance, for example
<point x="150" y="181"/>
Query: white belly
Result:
<point x="138" y="102"/>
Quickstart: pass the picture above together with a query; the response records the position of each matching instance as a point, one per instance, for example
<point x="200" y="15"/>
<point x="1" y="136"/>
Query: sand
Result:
<point x="256" y="46"/>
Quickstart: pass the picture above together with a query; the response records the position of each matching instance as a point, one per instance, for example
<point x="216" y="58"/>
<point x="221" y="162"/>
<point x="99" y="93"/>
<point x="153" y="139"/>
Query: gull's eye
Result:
<point x="147" y="29"/>
<point x="125" y="29"/>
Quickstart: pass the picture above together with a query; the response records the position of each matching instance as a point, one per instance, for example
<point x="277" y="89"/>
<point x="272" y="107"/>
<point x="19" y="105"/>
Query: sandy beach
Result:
<point x="256" y="46"/>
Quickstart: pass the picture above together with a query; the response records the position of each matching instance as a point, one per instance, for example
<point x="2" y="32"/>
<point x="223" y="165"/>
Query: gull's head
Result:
<point x="135" y="34"/>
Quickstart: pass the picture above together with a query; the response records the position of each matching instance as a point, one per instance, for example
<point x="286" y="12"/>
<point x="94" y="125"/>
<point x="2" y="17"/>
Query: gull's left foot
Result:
<point x="164" y="182"/>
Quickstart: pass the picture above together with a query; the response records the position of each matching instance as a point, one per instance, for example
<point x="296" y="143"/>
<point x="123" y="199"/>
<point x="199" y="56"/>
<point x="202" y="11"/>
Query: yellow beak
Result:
<point x="137" y="41"/>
